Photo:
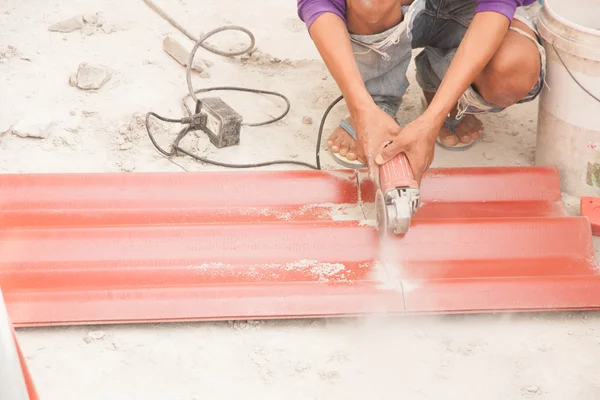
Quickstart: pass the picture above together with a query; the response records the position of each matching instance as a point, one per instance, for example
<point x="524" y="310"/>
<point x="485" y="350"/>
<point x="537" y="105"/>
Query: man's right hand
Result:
<point x="374" y="129"/>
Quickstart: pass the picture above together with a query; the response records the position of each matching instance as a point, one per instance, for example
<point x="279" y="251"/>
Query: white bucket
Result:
<point x="569" y="117"/>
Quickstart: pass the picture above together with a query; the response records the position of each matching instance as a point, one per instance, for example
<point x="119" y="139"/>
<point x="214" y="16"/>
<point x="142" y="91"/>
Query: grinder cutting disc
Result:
<point x="381" y="213"/>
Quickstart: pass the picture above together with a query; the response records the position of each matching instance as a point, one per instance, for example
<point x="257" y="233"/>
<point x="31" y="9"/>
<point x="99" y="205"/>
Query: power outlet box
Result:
<point x="223" y="124"/>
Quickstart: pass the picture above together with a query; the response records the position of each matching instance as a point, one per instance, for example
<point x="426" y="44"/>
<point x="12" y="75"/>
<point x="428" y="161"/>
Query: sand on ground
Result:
<point x="535" y="356"/>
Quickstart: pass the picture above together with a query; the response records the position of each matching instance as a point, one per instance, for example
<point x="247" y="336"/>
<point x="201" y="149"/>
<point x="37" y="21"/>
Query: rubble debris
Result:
<point x="534" y="389"/>
<point x="33" y="129"/>
<point x="260" y="58"/>
<point x="306" y="120"/>
<point x="93" y="336"/>
<point x="69" y="25"/>
<point x="88" y="113"/>
<point x="92" y="19"/>
<point x="126" y="166"/>
<point x="88" y="24"/>
<point x="126" y="146"/>
<point x="7" y="52"/>
<point x="88" y="30"/>
<point x="90" y="77"/>
<point x="180" y="54"/>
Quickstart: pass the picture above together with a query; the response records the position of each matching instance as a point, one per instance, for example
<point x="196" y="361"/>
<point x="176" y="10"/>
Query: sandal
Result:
<point x="451" y="123"/>
<point x="356" y="164"/>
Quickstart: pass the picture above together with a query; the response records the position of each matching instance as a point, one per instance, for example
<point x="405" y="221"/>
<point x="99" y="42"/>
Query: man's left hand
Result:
<point x="417" y="141"/>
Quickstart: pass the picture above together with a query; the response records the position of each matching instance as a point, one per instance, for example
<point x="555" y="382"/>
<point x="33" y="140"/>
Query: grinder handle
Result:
<point x="397" y="173"/>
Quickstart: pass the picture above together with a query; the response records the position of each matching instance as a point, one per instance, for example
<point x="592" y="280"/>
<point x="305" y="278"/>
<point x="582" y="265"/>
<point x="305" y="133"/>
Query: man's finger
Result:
<point x="391" y="150"/>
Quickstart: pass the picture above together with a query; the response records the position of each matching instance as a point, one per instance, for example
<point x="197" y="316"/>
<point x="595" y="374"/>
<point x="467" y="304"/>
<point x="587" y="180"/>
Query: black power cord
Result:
<point x="190" y="121"/>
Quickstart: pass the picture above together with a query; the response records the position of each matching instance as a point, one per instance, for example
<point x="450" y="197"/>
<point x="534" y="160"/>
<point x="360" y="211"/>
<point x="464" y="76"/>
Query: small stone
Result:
<point x="91" y="77"/>
<point x="208" y="63"/>
<point x="180" y="54"/>
<point x="306" y="120"/>
<point x="88" y="30"/>
<point x="33" y="129"/>
<point x="126" y="146"/>
<point x="88" y="113"/>
<point x="69" y="141"/>
<point x="96" y="335"/>
<point x="108" y="29"/>
<point x="91" y="18"/>
<point x="488" y="156"/>
<point x="67" y="26"/>
<point x="128" y="166"/>
<point x="533" y="389"/>
<point x="7" y="52"/>
<point x="72" y="113"/>
<point x="294" y="155"/>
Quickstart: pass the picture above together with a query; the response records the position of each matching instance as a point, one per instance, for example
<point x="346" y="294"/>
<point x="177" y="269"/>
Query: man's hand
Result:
<point x="374" y="128"/>
<point x="417" y="141"/>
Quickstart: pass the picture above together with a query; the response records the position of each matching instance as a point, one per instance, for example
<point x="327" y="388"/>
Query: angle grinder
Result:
<point x="398" y="196"/>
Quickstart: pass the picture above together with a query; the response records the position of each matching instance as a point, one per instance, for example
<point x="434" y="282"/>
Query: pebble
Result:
<point x="33" y="129"/>
<point x="88" y="30"/>
<point x="126" y="146"/>
<point x="88" y="113"/>
<point x="181" y="54"/>
<point x="69" y="25"/>
<point x="128" y="166"/>
<point x="90" y="77"/>
<point x="488" y="156"/>
<point x="94" y="335"/>
<point x="306" y="120"/>
<point x="533" y="389"/>
<point x="72" y="113"/>
<point x="91" y="18"/>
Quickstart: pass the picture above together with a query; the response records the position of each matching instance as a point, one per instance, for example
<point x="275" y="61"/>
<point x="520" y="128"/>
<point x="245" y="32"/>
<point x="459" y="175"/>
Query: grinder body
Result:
<point x="398" y="195"/>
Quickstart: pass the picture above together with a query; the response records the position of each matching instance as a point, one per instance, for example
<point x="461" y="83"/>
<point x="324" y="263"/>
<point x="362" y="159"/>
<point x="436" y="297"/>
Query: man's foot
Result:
<point x="469" y="129"/>
<point x="340" y="142"/>
<point x="466" y="131"/>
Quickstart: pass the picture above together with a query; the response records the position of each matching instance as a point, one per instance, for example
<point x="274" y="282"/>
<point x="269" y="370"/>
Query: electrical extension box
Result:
<point x="223" y="124"/>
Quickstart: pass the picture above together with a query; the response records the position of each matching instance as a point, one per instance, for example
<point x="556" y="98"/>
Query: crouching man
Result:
<point x="478" y="56"/>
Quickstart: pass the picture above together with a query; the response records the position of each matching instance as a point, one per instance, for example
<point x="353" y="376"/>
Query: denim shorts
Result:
<point x="437" y="27"/>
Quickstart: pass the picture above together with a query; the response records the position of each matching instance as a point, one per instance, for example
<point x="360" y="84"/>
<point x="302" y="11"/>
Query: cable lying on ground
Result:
<point x="194" y="120"/>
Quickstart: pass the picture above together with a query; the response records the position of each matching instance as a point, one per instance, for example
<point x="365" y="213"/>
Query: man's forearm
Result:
<point x="333" y="42"/>
<point x="481" y="41"/>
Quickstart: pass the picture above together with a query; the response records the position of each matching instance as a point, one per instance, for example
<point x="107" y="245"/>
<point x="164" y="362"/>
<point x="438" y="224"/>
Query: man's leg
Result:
<point x="512" y="75"/>
<point x="513" y="71"/>
<point x="383" y="70"/>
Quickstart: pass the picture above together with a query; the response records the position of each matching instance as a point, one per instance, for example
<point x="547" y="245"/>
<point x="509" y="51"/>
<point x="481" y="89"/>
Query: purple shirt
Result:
<point x="310" y="10"/>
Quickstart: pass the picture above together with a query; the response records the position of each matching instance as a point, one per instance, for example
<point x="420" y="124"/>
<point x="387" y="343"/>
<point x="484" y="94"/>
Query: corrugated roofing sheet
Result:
<point x="93" y="248"/>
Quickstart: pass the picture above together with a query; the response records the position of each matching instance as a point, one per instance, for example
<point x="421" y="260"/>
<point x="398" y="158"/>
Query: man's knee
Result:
<point x="511" y="74"/>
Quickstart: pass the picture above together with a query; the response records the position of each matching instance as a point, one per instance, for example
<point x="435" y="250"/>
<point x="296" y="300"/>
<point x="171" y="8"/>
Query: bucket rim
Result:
<point x="570" y="24"/>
